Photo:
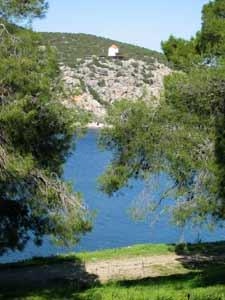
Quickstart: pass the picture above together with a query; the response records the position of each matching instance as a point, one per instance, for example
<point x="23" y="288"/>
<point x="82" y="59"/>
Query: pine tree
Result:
<point x="36" y="135"/>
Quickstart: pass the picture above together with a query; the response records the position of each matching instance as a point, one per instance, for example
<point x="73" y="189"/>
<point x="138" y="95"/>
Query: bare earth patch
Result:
<point x="135" y="268"/>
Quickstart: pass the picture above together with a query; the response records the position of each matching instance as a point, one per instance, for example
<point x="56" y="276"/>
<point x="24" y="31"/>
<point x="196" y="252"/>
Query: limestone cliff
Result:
<point x="96" y="82"/>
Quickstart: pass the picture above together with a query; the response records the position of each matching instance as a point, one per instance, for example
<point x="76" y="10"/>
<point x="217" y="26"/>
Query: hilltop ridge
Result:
<point x="71" y="46"/>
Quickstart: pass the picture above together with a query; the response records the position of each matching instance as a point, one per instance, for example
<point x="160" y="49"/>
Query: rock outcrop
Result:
<point x="96" y="82"/>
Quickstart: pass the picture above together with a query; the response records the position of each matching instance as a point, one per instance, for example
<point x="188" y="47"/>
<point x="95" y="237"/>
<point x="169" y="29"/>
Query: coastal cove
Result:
<point x="113" y="225"/>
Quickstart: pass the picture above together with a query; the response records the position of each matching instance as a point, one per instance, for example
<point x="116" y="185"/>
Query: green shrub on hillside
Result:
<point x="96" y="96"/>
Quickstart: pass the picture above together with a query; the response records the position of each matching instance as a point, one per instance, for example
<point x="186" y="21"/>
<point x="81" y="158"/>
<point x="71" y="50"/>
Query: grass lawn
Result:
<point x="200" y="282"/>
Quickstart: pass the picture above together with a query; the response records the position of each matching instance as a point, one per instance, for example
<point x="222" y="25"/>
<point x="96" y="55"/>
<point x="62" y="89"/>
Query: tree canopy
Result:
<point x="22" y="9"/>
<point x="36" y="136"/>
<point x="182" y="53"/>
<point x="206" y="45"/>
<point x="184" y="137"/>
<point x="212" y="41"/>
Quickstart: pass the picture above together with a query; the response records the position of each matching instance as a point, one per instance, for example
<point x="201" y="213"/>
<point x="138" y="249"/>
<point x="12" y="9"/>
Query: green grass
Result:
<point x="202" y="285"/>
<point x="200" y="281"/>
<point x="127" y="252"/>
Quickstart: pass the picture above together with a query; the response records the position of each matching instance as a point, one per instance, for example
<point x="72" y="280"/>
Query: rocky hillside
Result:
<point x="93" y="81"/>
<point x="96" y="82"/>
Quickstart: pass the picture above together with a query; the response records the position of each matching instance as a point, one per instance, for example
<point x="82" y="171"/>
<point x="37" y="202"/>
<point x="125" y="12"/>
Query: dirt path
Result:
<point x="99" y="271"/>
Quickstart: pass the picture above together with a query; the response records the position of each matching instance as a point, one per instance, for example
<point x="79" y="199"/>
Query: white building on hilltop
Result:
<point x="113" y="51"/>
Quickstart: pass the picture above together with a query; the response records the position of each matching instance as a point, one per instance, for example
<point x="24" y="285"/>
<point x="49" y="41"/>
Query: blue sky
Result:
<point x="144" y="22"/>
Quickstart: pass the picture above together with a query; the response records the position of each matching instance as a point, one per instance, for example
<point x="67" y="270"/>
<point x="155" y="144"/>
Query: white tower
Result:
<point x="113" y="51"/>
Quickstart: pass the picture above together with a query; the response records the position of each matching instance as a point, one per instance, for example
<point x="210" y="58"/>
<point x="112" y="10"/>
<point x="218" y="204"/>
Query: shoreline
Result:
<point x="131" y="251"/>
<point x="97" y="125"/>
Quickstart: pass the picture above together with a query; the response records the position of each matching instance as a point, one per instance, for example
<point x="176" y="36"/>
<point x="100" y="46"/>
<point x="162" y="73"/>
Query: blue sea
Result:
<point x="113" y="225"/>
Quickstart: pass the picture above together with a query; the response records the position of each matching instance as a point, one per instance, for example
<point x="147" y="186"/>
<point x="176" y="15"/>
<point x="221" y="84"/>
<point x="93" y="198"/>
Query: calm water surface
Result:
<point x="113" y="225"/>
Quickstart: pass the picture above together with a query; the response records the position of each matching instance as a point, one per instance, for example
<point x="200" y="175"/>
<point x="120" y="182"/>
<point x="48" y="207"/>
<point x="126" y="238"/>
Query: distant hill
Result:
<point x="72" y="46"/>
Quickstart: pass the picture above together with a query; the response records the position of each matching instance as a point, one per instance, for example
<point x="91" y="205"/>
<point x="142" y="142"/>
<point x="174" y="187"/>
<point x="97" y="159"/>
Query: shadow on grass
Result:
<point x="50" y="281"/>
<point x="212" y="275"/>
<point x="202" y="255"/>
<point x="205" y="249"/>
<point x="62" y="291"/>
